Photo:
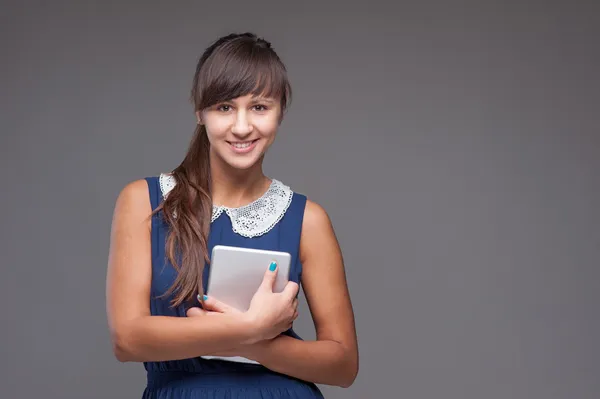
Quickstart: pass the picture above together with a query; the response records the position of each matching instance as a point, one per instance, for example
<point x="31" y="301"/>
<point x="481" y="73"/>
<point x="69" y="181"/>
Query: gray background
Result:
<point x="456" y="146"/>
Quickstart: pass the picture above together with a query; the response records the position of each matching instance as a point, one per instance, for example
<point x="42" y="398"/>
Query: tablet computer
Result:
<point x="236" y="273"/>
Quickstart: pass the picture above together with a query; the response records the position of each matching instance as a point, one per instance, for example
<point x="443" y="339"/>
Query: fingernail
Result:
<point x="205" y="297"/>
<point x="198" y="297"/>
<point x="273" y="266"/>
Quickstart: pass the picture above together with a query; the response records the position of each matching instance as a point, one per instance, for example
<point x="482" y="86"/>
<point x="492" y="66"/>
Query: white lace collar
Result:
<point x="254" y="219"/>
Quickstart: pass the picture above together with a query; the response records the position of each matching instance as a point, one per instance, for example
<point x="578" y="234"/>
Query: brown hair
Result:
<point x="234" y="65"/>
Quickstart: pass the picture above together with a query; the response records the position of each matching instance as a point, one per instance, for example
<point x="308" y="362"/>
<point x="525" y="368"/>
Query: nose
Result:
<point x="242" y="125"/>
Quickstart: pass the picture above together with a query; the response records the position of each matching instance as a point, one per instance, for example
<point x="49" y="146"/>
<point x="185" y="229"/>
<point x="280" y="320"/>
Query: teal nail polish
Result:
<point x="198" y="297"/>
<point x="205" y="297"/>
<point x="273" y="266"/>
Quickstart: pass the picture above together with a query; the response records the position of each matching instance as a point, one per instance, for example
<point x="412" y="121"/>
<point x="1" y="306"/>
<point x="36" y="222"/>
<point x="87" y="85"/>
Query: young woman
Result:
<point x="163" y="231"/>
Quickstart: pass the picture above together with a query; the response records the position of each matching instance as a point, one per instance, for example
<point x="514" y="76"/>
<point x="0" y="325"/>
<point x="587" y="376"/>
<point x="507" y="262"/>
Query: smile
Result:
<point x="242" y="147"/>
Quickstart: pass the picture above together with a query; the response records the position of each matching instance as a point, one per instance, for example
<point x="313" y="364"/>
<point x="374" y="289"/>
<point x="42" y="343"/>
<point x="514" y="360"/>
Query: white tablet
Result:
<point x="236" y="273"/>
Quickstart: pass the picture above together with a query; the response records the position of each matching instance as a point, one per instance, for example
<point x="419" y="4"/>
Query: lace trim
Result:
<point x="254" y="219"/>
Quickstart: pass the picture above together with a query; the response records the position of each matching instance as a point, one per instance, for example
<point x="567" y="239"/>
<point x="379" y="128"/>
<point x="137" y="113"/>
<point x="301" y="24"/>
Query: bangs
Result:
<point x="241" y="69"/>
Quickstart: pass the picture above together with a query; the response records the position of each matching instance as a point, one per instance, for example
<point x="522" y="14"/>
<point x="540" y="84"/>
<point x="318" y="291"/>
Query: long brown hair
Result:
<point x="234" y="65"/>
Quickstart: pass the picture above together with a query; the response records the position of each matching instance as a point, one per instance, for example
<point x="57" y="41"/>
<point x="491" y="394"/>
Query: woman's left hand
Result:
<point x="213" y="307"/>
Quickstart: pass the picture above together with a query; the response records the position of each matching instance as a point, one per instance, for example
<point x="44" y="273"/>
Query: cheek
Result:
<point x="267" y="127"/>
<point x="216" y="129"/>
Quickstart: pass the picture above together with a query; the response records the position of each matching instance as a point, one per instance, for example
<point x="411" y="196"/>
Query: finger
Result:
<point x="269" y="277"/>
<point x="211" y="313"/>
<point x="295" y="316"/>
<point x="290" y="290"/>
<point x="215" y="306"/>
<point x="295" y="303"/>
<point x="195" y="311"/>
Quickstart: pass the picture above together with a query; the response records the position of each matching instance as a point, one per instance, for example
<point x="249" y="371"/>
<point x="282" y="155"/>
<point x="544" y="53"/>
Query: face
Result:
<point x="241" y="130"/>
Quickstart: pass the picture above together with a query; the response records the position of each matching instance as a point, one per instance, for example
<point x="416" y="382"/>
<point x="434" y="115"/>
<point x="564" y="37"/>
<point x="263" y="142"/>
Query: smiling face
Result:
<point x="240" y="93"/>
<point x="241" y="130"/>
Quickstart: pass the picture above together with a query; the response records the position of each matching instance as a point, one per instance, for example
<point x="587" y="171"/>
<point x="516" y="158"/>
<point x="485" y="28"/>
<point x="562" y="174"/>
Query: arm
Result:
<point x="333" y="358"/>
<point x="136" y="335"/>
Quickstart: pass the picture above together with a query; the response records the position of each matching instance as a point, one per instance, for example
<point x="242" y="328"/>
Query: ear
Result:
<point x="199" y="118"/>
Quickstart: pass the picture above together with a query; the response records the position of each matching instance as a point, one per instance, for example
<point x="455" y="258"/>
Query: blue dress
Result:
<point x="217" y="378"/>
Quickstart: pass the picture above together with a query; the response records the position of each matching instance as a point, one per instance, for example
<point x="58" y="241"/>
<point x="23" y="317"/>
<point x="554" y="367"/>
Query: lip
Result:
<point x="243" y="150"/>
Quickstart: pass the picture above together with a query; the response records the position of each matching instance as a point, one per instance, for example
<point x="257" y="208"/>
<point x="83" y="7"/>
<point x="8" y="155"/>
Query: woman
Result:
<point x="164" y="228"/>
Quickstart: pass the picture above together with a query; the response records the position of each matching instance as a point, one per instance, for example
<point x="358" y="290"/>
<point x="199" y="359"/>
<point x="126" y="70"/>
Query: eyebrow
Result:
<point x="262" y="99"/>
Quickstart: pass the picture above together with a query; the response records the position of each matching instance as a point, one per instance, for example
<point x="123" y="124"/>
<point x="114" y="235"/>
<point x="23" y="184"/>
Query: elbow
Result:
<point x="348" y="378"/>
<point x="347" y="383"/>
<point x="121" y="353"/>
<point x="121" y="346"/>
<point x="349" y="374"/>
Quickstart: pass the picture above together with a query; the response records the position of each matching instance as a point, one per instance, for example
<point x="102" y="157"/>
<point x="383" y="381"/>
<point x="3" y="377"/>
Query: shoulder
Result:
<point x="317" y="229"/>
<point x="134" y="191"/>
<point x="315" y="216"/>
<point x="133" y="200"/>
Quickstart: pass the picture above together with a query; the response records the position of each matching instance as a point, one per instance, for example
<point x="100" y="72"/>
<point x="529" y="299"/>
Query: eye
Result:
<point x="260" y="107"/>
<point x="224" y="108"/>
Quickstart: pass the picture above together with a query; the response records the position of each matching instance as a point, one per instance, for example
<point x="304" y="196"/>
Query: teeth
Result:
<point x="242" y="145"/>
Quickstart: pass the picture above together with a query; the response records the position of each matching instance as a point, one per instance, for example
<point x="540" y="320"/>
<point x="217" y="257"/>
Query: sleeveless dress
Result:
<point x="271" y="222"/>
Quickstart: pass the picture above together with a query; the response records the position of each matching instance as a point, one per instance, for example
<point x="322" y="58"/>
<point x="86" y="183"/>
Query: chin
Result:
<point x="241" y="164"/>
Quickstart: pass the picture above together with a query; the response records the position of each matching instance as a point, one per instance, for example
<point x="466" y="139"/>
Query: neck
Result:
<point x="232" y="187"/>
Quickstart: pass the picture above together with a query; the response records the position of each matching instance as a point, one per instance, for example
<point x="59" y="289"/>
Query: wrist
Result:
<point x="252" y="329"/>
<point x="259" y="352"/>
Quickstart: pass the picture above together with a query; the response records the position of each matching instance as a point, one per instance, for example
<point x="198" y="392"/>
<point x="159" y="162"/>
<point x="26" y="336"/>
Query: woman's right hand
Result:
<point x="273" y="313"/>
